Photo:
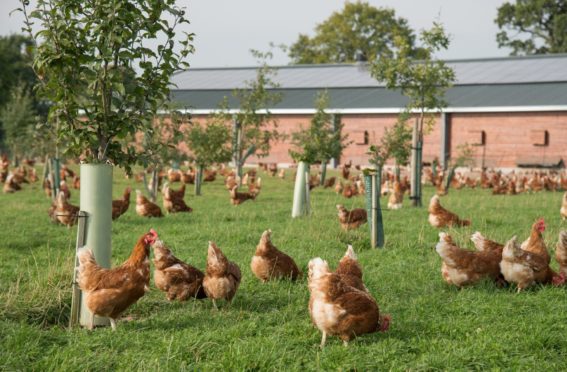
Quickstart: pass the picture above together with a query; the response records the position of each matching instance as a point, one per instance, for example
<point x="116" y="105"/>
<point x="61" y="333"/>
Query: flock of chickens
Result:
<point x="340" y="304"/>
<point x="523" y="264"/>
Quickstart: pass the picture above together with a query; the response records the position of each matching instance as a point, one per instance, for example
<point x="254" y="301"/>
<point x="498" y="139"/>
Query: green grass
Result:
<point x="267" y="327"/>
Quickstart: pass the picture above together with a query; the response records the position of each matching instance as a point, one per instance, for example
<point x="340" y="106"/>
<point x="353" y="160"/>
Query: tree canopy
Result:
<point x="360" y="30"/>
<point x="16" y="56"/>
<point x="533" y="26"/>
<point x="94" y="65"/>
<point x="319" y="142"/>
<point x="423" y="81"/>
<point x="209" y="142"/>
<point x="19" y="118"/>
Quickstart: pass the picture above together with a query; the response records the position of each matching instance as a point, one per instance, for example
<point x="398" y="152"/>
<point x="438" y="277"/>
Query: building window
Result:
<point x="539" y="137"/>
<point x="361" y="138"/>
<point x="477" y="137"/>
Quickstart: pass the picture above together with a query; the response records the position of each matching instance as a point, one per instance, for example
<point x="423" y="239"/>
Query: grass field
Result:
<point x="267" y="327"/>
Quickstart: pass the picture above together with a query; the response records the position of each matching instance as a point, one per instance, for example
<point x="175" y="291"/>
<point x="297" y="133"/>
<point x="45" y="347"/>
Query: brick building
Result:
<point x="513" y="110"/>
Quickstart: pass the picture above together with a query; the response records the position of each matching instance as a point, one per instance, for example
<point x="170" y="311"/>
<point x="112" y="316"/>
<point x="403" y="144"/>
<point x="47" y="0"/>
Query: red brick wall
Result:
<point x="508" y="136"/>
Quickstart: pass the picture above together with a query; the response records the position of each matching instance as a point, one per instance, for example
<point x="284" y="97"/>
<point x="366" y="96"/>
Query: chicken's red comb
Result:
<point x="154" y="233"/>
<point x="540" y="225"/>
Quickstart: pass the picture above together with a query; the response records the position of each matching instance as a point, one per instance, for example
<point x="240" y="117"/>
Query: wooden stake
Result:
<point x="76" y="293"/>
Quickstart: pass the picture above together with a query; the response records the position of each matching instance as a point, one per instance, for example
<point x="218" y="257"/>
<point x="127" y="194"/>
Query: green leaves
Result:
<point x="423" y="81"/>
<point x="533" y="26"/>
<point x="359" y="29"/>
<point x="209" y="143"/>
<point x="95" y="67"/>
<point x="258" y="128"/>
<point x="322" y="140"/>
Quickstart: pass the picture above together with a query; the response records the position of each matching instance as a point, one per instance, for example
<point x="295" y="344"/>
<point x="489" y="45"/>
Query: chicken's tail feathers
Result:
<point x="511" y="248"/>
<point x="443" y="244"/>
<point x="350" y="253"/>
<point x="478" y="240"/>
<point x="85" y="256"/>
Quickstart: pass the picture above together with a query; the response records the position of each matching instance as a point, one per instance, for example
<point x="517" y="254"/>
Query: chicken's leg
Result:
<point x="112" y="324"/>
<point x="91" y="323"/>
<point x="215" y="304"/>
<point x="323" y="339"/>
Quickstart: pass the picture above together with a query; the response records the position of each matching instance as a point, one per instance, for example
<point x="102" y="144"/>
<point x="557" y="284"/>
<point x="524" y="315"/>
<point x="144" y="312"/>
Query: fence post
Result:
<point x="76" y="291"/>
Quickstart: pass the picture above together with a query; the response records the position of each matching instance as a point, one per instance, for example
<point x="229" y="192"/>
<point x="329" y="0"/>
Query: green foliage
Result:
<point x="378" y="155"/>
<point x="359" y="28"/>
<point x="256" y="129"/>
<point x="464" y="156"/>
<point x="533" y="26"/>
<point x="160" y="139"/>
<point x="95" y="66"/>
<point x="209" y="143"/>
<point x="320" y="141"/>
<point x="16" y="56"/>
<point x="18" y="118"/>
<point x="423" y="82"/>
<point x="398" y="141"/>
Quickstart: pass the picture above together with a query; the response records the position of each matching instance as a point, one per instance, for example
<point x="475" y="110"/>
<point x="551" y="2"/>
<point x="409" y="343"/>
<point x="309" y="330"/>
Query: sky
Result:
<point x="226" y="30"/>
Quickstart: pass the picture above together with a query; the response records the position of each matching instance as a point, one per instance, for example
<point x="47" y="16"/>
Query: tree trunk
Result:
<point x="96" y="201"/>
<point x="323" y="172"/>
<point x="198" y="180"/>
<point x="301" y="191"/>
<point x="418" y="173"/>
<point x="155" y="186"/>
<point x="237" y="149"/>
<point x="56" y="174"/>
<point x="414" y="170"/>
<point x="450" y="176"/>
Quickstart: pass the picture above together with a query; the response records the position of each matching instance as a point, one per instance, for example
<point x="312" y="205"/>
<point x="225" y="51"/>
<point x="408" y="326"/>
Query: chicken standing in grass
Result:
<point x="462" y="267"/>
<point x="222" y="277"/>
<point x="338" y="309"/>
<point x="109" y="292"/>
<point x="237" y="198"/>
<point x="396" y="197"/>
<point x="120" y="206"/>
<point x="350" y="220"/>
<point x="440" y="217"/>
<point x="178" y="279"/>
<point x="65" y="213"/>
<point x="528" y="264"/>
<point x="10" y="185"/>
<point x="349" y="270"/>
<point x="146" y="208"/>
<point x="270" y="263"/>
<point x="561" y="252"/>
<point x="173" y="201"/>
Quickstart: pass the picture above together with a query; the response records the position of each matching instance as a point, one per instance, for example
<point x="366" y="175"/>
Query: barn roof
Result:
<point x="510" y="83"/>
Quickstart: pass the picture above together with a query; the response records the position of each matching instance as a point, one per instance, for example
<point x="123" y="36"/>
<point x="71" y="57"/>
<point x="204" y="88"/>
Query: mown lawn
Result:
<point x="267" y="327"/>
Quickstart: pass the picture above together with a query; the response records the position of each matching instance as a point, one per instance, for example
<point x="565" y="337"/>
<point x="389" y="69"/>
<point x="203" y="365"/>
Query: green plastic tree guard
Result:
<point x="96" y="201"/>
<point x="198" y="180"/>
<point x="300" y="194"/>
<point x="373" y="183"/>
